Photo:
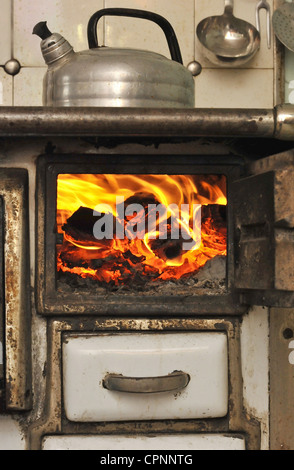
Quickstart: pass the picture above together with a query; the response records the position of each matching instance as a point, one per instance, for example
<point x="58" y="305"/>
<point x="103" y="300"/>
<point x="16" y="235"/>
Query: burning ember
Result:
<point x="121" y="229"/>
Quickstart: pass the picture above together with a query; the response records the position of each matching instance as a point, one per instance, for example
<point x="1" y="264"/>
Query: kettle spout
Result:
<point x="53" y="45"/>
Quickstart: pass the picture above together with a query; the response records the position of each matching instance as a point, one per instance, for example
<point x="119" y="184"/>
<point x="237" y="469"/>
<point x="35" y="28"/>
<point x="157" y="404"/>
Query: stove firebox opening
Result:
<point x="141" y="232"/>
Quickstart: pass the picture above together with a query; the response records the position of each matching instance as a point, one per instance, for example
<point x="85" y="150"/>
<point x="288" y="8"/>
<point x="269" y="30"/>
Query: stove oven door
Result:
<point x="264" y="232"/>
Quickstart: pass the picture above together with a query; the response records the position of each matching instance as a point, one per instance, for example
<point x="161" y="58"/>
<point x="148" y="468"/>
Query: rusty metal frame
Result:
<point x="14" y="192"/>
<point x="54" y="421"/>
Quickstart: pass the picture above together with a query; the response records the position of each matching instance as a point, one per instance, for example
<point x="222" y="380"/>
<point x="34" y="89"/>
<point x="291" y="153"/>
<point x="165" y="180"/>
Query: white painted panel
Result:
<point x="87" y="360"/>
<point x="235" y="88"/>
<point x="162" y="442"/>
<point x="255" y="367"/>
<point x="28" y="86"/>
<point x="11" y="437"/>
<point x="67" y="17"/>
<point x="5" y="88"/>
<point x="5" y="31"/>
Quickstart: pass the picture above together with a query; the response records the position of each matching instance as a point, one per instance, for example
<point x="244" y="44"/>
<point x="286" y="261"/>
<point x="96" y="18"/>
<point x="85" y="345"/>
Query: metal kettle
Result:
<point x="115" y="77"/>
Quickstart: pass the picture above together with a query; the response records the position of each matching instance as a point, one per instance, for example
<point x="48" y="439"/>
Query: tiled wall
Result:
<point x="289" y="74"/>
<point x="249" y="86"/>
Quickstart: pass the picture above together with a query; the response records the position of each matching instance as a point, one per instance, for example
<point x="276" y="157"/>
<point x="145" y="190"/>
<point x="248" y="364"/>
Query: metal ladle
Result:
<point x="228" y="41"/>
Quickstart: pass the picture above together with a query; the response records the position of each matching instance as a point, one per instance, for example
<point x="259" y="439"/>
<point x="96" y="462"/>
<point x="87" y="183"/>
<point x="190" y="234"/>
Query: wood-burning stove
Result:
<point x="255" y="268"/>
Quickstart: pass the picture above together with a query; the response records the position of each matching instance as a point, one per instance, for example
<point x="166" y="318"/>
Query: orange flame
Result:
<point x="119" y="260"/>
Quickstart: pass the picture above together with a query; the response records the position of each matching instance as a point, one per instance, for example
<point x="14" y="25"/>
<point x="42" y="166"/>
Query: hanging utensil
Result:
<point x="263" y="4"/>
<point x="283" y="23"/>
<point x="228" y="41"/>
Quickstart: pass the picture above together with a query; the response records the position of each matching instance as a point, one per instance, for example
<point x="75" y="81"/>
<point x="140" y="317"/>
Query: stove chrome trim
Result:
<point x="142" y="122"/>
<point x="284" y="122"/>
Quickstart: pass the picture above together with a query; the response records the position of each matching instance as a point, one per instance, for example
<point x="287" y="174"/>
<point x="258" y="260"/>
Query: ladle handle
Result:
<point x="229" y="6"/>
<point x="264" y="4"/>
<point x="146" y="15"/>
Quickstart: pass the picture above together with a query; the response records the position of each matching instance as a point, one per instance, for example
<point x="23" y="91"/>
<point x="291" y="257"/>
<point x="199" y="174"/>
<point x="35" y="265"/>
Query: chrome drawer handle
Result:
<point x="175" y="381"/>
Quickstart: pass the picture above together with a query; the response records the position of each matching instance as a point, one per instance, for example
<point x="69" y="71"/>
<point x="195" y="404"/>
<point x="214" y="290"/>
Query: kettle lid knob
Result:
<point x="42" y="30"/>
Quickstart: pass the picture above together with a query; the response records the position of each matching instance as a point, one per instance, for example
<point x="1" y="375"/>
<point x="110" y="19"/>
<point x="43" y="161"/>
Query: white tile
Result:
<point x="245" y="10"/>
<point x="11" y="437"/>
<point x="28" y="86"/>
<point x="222" y="88"/>
<point x="5" y="88"/>
<point x="142" y="34"/>
<point x="5" y="31"/>
<point x="67" y="17"/>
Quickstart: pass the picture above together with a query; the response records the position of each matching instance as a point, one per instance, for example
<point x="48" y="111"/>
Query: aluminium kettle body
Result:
<point x="114" y="77"/>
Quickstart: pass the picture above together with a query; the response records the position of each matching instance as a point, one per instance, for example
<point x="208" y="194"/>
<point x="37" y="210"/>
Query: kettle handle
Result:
<point x="146" y="15"/>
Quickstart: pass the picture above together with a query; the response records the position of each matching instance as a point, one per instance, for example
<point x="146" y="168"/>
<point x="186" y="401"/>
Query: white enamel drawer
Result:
<point x="160" y="442"/>
<point x="89" y="360"/>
